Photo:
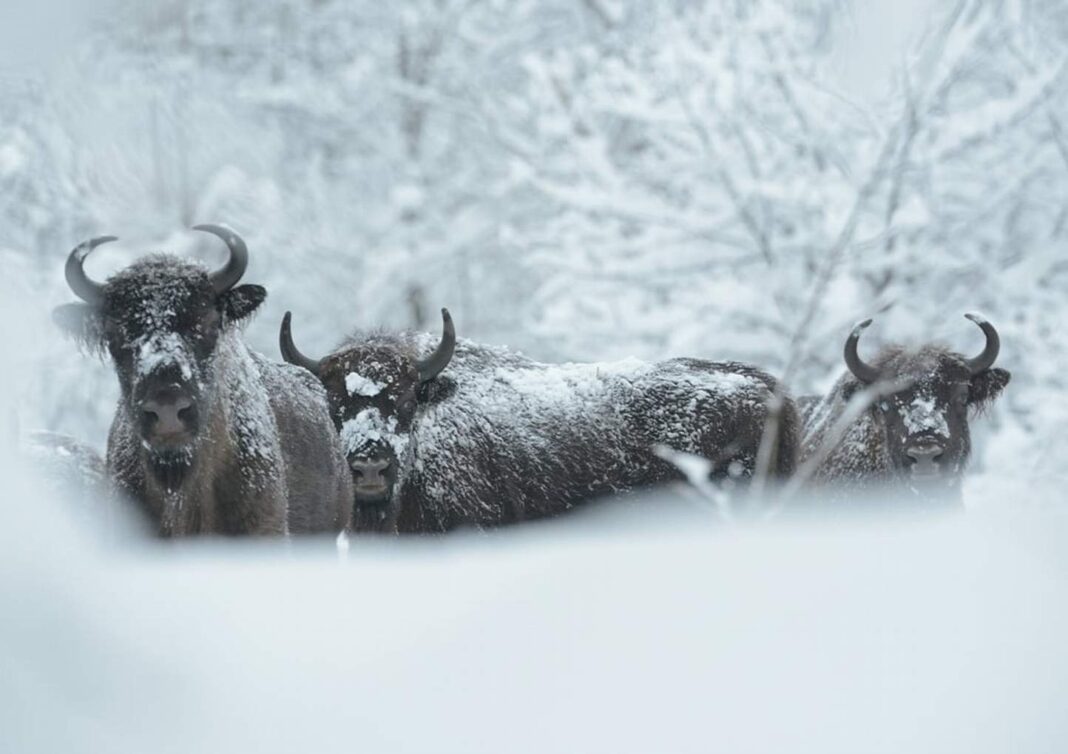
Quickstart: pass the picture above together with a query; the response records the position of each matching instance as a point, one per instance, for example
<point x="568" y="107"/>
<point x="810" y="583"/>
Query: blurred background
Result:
<point x="579" y="179"/>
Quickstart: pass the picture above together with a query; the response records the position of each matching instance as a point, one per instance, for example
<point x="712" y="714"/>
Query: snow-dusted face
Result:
<point x="373" y="393"/>
<point x="926" y="429"/>
<point x="161" y="332"/>
<point x="926" y="424"/>
<point x="160" y="320"/>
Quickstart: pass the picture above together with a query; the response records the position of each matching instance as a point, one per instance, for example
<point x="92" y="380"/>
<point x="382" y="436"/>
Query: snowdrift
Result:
<point x="628" y="629"/>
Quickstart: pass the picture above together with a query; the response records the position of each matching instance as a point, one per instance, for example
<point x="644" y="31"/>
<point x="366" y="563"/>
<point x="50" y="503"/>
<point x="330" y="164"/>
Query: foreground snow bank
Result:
<point x="651" y="631"/>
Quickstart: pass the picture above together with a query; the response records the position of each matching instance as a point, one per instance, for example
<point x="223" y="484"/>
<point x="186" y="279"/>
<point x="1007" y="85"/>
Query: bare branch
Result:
<point x="756" y="229"/>
<point x="1058" y="136"/>
<point x="855" y="408"/>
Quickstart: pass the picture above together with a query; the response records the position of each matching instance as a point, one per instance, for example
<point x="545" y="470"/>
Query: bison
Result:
<point x="914" y="436"/>
<point x="445" y="433"/>
<point x="208" y="437"/>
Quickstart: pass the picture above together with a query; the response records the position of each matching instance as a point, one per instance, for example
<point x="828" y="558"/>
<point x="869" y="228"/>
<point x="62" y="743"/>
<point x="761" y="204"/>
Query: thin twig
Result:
<point x="770" y="437"/>
<point x="857" y="405"/>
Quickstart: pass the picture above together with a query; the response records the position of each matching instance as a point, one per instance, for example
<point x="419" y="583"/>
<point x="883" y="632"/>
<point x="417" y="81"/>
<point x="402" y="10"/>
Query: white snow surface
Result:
<point x="630" y="633"/>
<point x="554" y="382"/>
<point x="357" y="384"/>
<point x="507" y="383"/>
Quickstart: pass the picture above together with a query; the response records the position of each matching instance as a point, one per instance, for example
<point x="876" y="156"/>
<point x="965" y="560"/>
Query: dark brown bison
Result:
<point x="914" y="437"/>
<point x="441" y="433"/>
<point x="208" y="437"/>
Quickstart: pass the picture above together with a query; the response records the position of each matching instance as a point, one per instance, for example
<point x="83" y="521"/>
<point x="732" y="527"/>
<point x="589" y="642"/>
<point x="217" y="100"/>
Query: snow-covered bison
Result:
<point x="914" y="437"/>
<point x="208" y="437"/>
<point x="498" y="438"/>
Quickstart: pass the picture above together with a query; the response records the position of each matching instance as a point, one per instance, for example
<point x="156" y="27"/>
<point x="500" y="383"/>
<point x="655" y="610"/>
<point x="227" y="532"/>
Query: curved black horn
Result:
<point x="289" y="349"/>
<point x="986" y="359"/>
<point x="431" y="366"/>
<point x="87" y="290"/>
<point x="226" y="277"/>
<point x="863" y="372"/>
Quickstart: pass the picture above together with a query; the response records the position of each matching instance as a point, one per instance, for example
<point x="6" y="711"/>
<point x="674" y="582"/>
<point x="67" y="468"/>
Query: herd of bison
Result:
<point x="412" y="432"/>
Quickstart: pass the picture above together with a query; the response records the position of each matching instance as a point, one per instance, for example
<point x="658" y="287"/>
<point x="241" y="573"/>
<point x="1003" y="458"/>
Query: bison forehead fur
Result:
<point x="380" y="372"/>
<point x="498" y="437"/>
<point x="157" y="292"/>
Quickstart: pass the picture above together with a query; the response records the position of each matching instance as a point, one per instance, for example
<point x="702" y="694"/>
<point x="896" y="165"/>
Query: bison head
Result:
<point x="375" y="388"/>
<point x="160" y="320"/>
<point x="925" y="423"/>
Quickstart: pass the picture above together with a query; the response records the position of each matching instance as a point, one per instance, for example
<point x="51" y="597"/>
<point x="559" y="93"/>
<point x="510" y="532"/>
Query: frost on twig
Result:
<point x="698" y="473"/>
<point x="860" y="402"/>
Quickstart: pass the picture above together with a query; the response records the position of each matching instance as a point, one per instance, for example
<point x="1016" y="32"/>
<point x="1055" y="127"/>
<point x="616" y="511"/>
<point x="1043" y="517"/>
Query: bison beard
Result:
<point x="170" y="467"/>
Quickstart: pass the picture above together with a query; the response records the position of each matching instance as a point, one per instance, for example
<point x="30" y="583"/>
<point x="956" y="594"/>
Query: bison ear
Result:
<point x="436" y="390"/>
<point x="986" y="386"/>
<point x="240" y="302"/>
<point x="849" y="389"/>
<point x="80" y="322"/>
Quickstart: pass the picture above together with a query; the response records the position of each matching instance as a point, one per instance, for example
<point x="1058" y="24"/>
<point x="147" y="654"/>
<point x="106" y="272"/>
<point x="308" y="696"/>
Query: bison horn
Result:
<point x="289" y="349"/>
<point x="863" y="372"/>
<point x="226" y="277"/>
<point x="87" y="290"/>
<point x="986" y="359"/>
<point x="431" y="366"/>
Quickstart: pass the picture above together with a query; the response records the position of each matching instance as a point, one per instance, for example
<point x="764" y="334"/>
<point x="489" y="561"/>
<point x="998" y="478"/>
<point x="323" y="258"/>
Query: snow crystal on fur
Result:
<point x="163" y="350"/>
<point x="357" y="384"/>
<point x="923" y="416"/>
<point x="369" y="426"/>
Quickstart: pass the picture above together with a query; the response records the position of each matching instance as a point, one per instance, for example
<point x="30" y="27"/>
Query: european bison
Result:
<point x="208" y="437"/>
<point x="914" y="437"/>
<point x="441" y="434"/>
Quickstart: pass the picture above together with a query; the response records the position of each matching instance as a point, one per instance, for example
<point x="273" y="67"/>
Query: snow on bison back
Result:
<point x="441" y="433"/>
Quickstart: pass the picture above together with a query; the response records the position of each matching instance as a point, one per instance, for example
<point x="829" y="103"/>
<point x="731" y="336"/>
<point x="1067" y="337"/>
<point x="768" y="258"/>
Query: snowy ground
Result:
<point x="651" y="631"/>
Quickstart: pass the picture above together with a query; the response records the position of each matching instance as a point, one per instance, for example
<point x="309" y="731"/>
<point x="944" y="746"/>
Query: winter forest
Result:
<point x="581" y="181"/>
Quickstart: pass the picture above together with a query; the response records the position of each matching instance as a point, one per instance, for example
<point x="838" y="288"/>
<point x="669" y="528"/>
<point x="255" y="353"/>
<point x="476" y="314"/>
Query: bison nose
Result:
<point x="168" y="411"/>
<point x="371" y="470"/>
<point x="924" y="454"/>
